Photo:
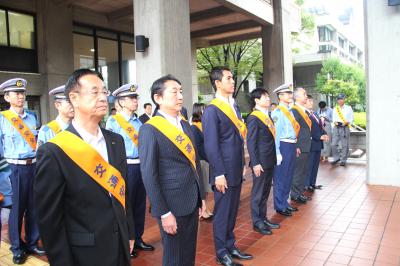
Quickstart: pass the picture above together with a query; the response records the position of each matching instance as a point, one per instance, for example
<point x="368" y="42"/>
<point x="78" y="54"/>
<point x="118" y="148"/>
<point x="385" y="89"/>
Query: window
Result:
<point x="325" y="34"/>
<point x="17" y="42"/>
<point x="108" y="62"/>
<point x="352" y="50"/>
<point x="325" y="48"/>
<point x="341" y="42"/>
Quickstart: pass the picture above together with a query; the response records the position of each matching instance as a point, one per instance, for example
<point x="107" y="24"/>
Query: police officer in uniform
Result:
<point x="63" y="119"/>
<point x="126" y="123"/>
<point x="285" y="144"/>
<point x="18" y="136"/>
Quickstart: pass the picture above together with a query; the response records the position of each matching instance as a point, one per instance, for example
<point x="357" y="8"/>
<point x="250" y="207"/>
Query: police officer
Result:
<point x="342" y="118"/>
<point x="65" y="115"/>
<point x="285" y="143"/>
<point x="126" y="123"/>
<point x="18" y="136"/>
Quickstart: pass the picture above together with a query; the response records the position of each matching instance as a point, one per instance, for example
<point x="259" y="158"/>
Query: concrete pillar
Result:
<point x="55" y="53"/>
<point x="383" y="96"/>
<point x="167" y="25"/>
<point x="276" y="45"/>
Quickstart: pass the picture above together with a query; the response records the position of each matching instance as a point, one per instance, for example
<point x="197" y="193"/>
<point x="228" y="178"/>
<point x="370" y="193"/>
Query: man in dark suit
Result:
<point x="318" y="136"/>
<point x="261" y="147"/>
<point x="224" y="133"/>
<point x="303" y="146"/>
<point x="171" y="173"/>
<point x="82" y="215"/>
<point x="147" y="113"/>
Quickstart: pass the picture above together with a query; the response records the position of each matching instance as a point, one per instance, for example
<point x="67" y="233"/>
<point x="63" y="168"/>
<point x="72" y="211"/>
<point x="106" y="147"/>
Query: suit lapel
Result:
<point x="110" y="147"/>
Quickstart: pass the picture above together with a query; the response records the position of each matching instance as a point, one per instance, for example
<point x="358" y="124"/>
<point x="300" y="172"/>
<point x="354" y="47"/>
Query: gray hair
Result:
<point x="297" y="91"/>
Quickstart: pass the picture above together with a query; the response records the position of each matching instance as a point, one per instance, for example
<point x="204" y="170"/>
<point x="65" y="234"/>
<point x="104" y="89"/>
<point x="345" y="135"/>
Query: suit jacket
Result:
<point x="171" y="183"/>
<point x="304" y="138"/>
<point x="316" y="132"/>
<point x="223" y="145"/>
<point x="260" y="143"/>
<point x="144" y="118"/>
<point x="79" y="222"/>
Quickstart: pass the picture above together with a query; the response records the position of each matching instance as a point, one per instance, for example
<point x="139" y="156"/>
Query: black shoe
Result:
<point x="317" y="186"/>
<point x="271" y="225"/>
<point x="284" y="212"/>
<point x="227" y="261"/>
<point x="133" y="253"/>
<point x="310" y="189"/>
<point x="237" y="254"/>
<point x="306" y="198"/>
<point x="262" y="228"/>
<point x="335" y="162"/>
<point x="19" y="258"/>
<point x="36" y="251"/>
<point x="298" y="200"/>
<point x="342" y="164"/>
<point x="292" y="209"/>
<point x="143" y="246"/>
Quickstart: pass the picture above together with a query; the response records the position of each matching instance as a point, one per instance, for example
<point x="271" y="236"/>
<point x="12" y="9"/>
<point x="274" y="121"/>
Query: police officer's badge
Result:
<point x="132" y="88"/>
<point x="19" y="83"/>
<point x="275" y="119"/>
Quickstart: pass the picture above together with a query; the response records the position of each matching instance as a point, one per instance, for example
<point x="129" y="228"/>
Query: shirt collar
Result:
<point x="61" y="122"/>
<point x="21" y="116"/>
<point x="127" y="118"/>
<point x="265" y="111"/>
<point x="173" y="120"/>
<point x="231" y="100"/>
<point x="302" y="107"/>
<point x="86" y="136"/>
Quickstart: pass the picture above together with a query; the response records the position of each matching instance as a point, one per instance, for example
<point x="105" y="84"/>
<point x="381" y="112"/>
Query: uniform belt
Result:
<point x="22" y="161"/>
<point x="133" y="161"/>
<point x="289" y="140"/>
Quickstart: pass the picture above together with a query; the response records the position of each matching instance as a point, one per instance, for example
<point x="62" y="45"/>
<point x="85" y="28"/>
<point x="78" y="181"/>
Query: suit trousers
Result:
<point x="137" y="197"/>
<point x="284" y="175"/>
<point x="313" y="165"/>
<point x="180" y="249"/>
<point x="259" y="195"/>
<point x="340" y="143"/>
<point x="225" y="213"/>
<point x="22" y="178"/>
<point x="300" y="175"/>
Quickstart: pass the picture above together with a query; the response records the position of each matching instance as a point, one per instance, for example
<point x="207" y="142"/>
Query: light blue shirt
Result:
<point x="347" y="112"/>
<point x="130" y="147"/>
<point x="46" y="133"/>
<point x="283" y="127"/>
<point x="14" y="145"/>
<point x="327" y="113"/>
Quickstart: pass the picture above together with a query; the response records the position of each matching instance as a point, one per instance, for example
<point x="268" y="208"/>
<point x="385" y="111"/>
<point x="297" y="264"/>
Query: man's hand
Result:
<point x="221" y="185"/>
<point x="169" y="224"/>
<point x="131" y="245"/>
<point x="298" y="152"/>
<point x="244" y="171"/>
<point x="257" y="170"/>
<point x="279" y="159"/>
<point x="325" y="137"/>
<point x="203" y="208"/>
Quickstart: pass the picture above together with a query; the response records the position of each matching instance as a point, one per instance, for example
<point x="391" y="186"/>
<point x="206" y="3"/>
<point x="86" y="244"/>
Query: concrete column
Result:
<point x="383" y="96"/>
<point x="276" y="45"/>
<point x="55" y="53"/>
<point x="167" y="25"/>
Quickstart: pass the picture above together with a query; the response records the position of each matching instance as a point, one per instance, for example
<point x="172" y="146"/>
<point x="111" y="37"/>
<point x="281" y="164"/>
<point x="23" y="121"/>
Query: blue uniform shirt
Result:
<point x="283" y="127"/>
<point x="46" y="133"/>
<point x="14" y="145"/>
<point x="130" y="147"/>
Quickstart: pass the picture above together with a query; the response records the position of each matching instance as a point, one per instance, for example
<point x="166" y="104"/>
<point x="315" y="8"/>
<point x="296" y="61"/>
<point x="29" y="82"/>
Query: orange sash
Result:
<point x="21" y="127"/>
<point x="303" y="115"/>
<point x="53" y="125"/>
<point x="266" y="120"/>
<point x="289" y="116"/>
<point x="128" y="128"/>
<point x="198" y="125"/>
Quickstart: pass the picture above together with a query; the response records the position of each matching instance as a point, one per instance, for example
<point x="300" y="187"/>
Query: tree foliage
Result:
<point x="243" y="58"/>
<point x="336" y="77"/>
<point x="306" y="31"/>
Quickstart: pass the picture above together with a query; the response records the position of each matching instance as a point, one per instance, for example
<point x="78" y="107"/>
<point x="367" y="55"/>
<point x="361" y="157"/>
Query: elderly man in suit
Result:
<point x="224" y="134"/>
<point x="83" y="216"/>
<point x="261" y="147"/>
<point x="172" y="173"/>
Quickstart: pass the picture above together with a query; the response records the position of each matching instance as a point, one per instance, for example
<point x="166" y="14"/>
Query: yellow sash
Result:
<point x="53" y="125"/>
<point x="340" y="114"/>
<point x="20" y="126"/>
<point x="198" y="125"/>
<point x="177" y="137"/>
<point x="128" y="128"/>
<point x="266" y="120"/>
<point x="227" y="110"/>
<point x="303" y="115"/>
<point x="93" y="164"/>
<point x="289" y="116"/>
<point x="182" y="117"/>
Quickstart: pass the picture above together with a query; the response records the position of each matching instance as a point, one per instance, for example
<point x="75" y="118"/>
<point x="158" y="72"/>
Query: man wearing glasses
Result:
<point x="80" y="191"/>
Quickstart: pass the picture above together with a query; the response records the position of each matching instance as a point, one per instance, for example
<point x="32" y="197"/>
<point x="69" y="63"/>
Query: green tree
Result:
<point x="307" y="30"/>
<point x="243" y="58"/>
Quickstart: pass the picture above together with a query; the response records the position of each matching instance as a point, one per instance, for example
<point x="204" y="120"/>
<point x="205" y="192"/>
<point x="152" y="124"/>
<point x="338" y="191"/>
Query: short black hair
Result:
<point x="113" y="109"/>
<point x="73" y="80"/>
<point x="216" y="74"/>
<point x="197" y="111"/>
<point x="274" y="104"/>
<point x="146" y="104"/>
<point x="256" y="94"/>
<point x="309" y="96"/>
<point x="322" y="104"/>
<point x="158" y="86"/>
